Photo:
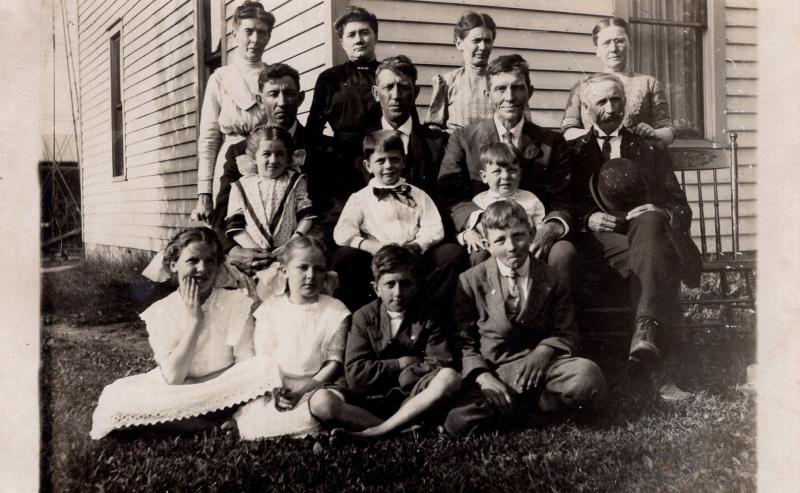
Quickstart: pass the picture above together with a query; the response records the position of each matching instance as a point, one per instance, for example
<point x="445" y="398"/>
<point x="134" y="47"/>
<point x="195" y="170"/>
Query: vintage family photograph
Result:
<point x="376" y="245"/>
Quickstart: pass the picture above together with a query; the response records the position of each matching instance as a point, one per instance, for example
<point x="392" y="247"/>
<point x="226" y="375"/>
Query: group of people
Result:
<point x="461" y="244"/>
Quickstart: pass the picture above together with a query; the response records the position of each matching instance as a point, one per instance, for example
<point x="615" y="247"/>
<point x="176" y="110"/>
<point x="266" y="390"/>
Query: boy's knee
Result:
<point x="448" y="381"/>
<point x="325" y="405"/>
<point x="587" y="387"/>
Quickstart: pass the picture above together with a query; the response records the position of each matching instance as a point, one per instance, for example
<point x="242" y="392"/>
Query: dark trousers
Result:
<point x="643" y="255"/>
<point x="570" y="383"/>
<point x="441" y="265"/>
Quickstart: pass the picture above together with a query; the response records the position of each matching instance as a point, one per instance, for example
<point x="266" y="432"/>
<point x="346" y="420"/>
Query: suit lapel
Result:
<point x="527" y="141"/>
<point x="538" y="292"/>
<point x="495" y="294"/>
<point x="381" y="335"/>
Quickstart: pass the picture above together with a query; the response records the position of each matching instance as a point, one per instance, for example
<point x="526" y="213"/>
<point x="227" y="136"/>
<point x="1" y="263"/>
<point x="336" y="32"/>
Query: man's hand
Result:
<point x="473" y="241"/>
<point x="644" y="130"/>
<point x="532" y="373"/>
<point x="406" y="361"/>
<point x="203" y="209"/>
<point x="495" y="391"/>
<point x="548" y="234"/>
<point x="249" y="260"/>
<point x="600" y="221"/>
<point x="638" y="211"/>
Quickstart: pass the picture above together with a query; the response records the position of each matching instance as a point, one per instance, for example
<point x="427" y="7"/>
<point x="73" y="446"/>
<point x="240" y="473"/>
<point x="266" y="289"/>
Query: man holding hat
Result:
<point x="630" y="217"/>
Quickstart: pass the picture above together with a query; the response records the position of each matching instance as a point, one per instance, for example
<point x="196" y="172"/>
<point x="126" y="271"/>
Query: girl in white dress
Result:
<point x="304" y="332"/>
<point x="201" y="338"/>
<point x="270" y="207"/>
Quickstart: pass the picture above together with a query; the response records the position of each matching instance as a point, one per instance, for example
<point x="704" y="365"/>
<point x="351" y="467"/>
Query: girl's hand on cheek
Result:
<point x="190" y="293"/>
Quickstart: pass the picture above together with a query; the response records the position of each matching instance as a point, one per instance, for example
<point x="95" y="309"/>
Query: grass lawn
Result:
<point x="707" y="444"/>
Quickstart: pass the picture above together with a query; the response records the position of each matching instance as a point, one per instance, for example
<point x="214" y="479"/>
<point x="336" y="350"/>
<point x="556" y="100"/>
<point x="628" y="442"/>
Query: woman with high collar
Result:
<point x="646" y="108"/>
<point x="230" y="106"/>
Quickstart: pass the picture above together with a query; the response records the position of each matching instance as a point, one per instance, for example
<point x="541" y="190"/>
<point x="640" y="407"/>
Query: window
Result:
<point x="668" y="38"/>
<point x="117" y="130"/>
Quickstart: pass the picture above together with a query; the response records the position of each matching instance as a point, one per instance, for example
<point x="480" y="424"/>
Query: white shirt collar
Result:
<point x="395" y="315"/>
<point x="615" y="133"/>
<point x="404" y="129"/>
<point x="492" y="195"/>
<point x="522" y="271"/>
<point x="374" y="183"/>
<point x="516" y="131"/>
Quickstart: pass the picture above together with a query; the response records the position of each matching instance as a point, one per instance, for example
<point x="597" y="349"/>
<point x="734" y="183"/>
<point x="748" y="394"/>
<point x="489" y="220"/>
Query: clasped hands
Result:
<point x="602" y="222"/>
<point x="529" y="376"/>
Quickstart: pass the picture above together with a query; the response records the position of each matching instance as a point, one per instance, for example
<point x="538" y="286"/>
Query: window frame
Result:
<point x="202" y="31"/>
<point x="713" y="75"/>
<point x="119" y="170"/>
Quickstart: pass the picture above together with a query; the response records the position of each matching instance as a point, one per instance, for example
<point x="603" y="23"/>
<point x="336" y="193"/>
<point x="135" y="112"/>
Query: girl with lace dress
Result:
<point x="304" y="332"/>
<point x="268" y="208"/>
<point x="201" y="337"/>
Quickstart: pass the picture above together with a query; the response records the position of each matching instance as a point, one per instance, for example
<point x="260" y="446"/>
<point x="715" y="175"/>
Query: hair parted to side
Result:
<point x="383" y="141"/>
<point x="355" y="14"/>
<point x="269" y="132"/>
<point x="399" y="64"/>
<point x="253" y="10"/>
<point x="509" y="63"/>
<point x="611" y="21"/>
<point x="598" y="78"/>
<point x="469" y="20"/>
<point x="191" y="235"/>
<point x="298" y="243"/>
<point x="504" y="214"/>
<point x="394" y="258"/>
<point x="499" y="153"/>
<point x="277" y="71"/>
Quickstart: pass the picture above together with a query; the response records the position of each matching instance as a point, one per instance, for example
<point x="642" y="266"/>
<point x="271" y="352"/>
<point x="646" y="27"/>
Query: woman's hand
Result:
<point x="203" y="209"/>
<point x="190" y="293"/>
<point x="644" y="130"/>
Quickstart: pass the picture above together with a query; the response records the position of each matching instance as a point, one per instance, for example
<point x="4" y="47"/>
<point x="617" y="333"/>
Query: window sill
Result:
<point x="115" y="179"/>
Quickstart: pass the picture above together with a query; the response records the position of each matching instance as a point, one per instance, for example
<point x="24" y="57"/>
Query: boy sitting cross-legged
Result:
<point x="516" y="332"/>
<point x="500" y="171"/>
<point x="389" y="210"/>
<point x="396" y="359"/>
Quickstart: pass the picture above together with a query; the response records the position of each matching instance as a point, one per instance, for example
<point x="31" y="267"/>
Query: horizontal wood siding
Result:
<point x="741" y="93"/>
<point x="159" y="115"/>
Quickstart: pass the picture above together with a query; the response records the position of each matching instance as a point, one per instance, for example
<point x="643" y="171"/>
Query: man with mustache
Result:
<point x="647" y="243"/>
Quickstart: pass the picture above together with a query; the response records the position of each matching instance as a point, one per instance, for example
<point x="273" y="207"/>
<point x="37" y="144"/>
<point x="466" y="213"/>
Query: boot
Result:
<point x="643" y="342"/>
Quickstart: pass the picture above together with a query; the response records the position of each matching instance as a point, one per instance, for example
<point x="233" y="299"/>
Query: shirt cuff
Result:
<point x="473" y="219"/>
<point x="356" y="242"/>
<point x="563" y="223"/>
<point x="204" y="186"/>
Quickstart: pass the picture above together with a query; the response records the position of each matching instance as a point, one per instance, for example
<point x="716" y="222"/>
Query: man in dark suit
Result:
<point x="280" y="96"/>
<point x="643" y="243"/>
<point x="544" y="163"/>
<point x="396" y="91"/>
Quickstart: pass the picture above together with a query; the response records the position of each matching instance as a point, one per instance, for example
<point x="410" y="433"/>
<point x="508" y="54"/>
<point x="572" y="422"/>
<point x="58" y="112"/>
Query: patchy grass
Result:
<point x="707" y="444"/>
<point x="99" y="290"/>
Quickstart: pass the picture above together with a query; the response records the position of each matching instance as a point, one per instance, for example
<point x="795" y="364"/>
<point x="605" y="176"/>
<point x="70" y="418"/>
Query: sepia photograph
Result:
<point x="384" y="245"/>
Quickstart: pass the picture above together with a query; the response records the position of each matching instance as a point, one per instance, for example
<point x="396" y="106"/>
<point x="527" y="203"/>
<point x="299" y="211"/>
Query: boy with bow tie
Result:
<point x="516" y="332"/>
<point x="389" y="210"/>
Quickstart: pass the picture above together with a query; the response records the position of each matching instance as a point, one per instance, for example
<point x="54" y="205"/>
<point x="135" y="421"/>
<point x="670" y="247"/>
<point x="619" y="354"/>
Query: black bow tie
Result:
<point x="401" y="193"/>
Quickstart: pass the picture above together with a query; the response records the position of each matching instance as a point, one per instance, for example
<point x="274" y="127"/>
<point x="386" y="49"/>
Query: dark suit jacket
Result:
<point x="663" y="189"/>
<point x="486" y="338"/>
<point x="314" y="168"/>
<point x="425" y="153"/>
<point x="544" y="165"/>
<point x="372" y="359"/>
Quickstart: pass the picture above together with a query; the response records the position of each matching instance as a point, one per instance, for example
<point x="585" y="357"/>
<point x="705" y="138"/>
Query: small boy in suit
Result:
<point x="500" y="171"/>
<point x="389" y="210"/>
<point x="396" y="358"/>
<point x="516" y="332"/>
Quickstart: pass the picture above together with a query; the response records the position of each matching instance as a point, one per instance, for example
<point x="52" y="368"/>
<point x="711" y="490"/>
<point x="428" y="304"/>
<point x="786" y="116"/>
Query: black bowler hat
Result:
<point x="618" y="187"/>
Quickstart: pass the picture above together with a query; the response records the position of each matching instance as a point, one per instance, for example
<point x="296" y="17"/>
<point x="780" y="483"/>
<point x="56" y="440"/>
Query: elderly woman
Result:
<point x="230" y="107"/>
<point x="646" y="107"/>
<point x="461" y="97"/>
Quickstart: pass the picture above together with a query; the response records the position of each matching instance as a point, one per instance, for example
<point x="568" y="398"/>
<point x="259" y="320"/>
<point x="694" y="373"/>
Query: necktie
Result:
<point x="401" y="193"/>
<point x="606" y="149"/>
<point x="509" y="137"/>
<point x="514" y="300"/>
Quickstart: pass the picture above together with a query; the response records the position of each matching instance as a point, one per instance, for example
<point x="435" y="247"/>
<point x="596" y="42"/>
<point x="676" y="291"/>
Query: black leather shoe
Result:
<point x="643" y="343"/>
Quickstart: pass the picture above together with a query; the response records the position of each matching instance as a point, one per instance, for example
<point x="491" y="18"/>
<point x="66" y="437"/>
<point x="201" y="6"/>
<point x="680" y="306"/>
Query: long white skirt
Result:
<point x="146" y="399"/>
<point x="261" y="419"/>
